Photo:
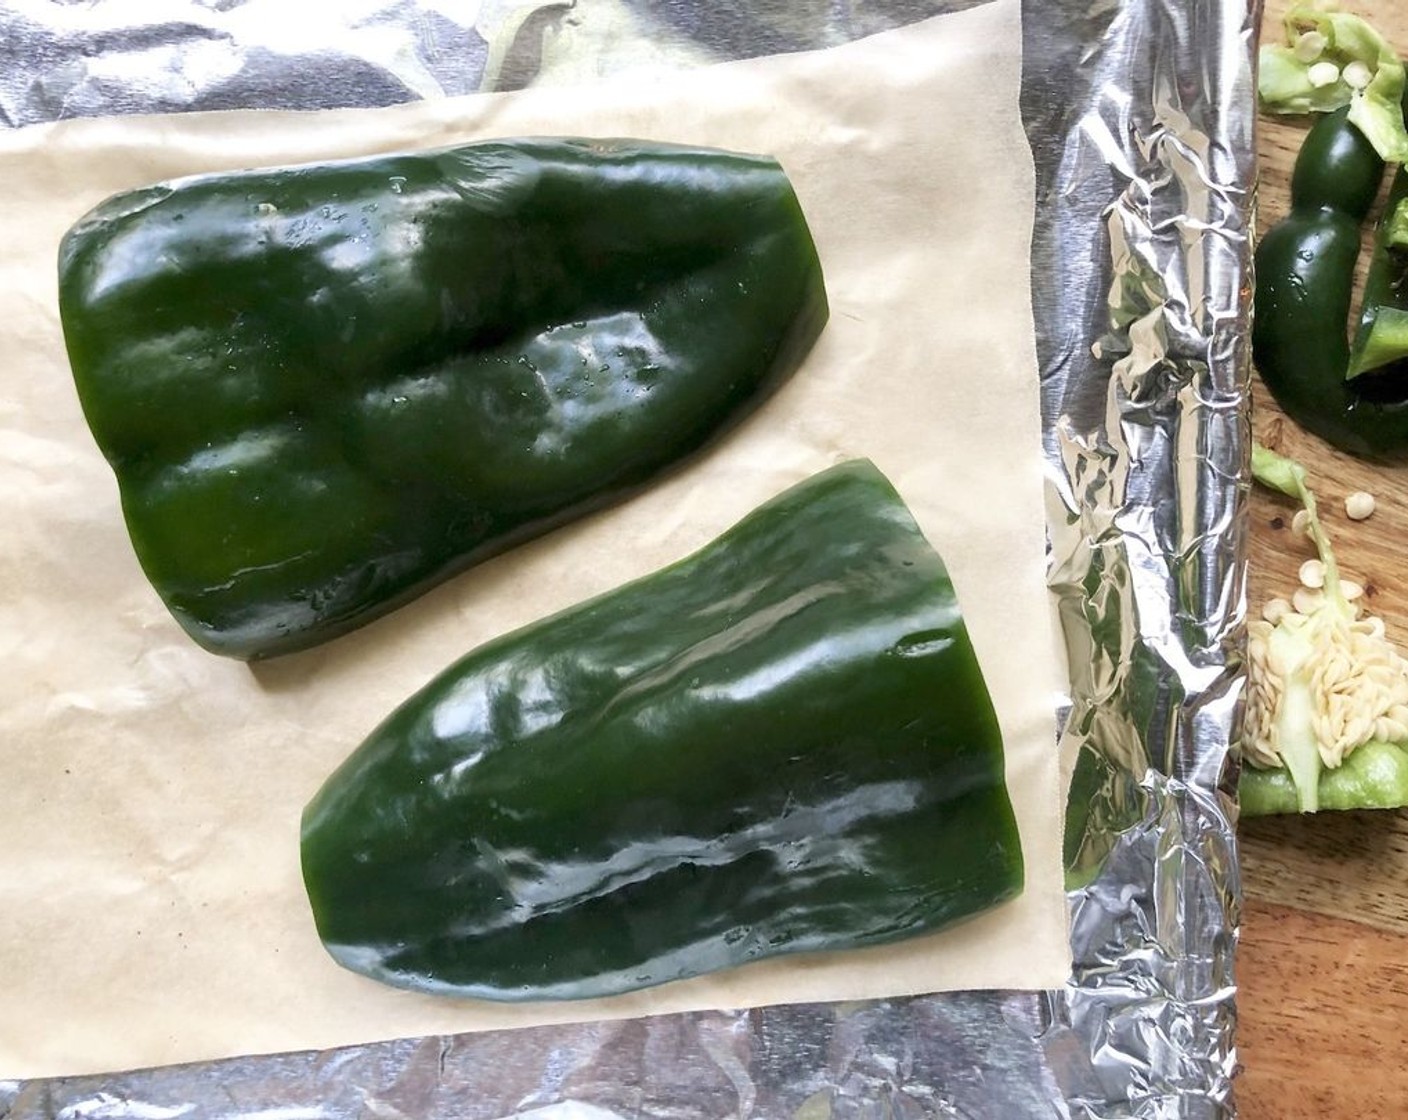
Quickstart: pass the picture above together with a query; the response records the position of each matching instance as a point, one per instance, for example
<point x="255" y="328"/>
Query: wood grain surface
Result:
<point x="1323" y="961"/>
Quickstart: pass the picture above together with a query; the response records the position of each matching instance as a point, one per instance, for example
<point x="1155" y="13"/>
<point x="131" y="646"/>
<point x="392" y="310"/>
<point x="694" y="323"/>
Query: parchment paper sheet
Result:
<point x="151" y="909"/>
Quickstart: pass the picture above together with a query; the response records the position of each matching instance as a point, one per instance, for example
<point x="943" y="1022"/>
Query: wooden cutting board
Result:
<point x="1322" y="966"/>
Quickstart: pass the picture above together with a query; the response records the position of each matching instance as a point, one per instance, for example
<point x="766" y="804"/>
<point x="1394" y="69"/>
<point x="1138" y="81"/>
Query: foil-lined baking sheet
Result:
<point x="1140" y="116"/>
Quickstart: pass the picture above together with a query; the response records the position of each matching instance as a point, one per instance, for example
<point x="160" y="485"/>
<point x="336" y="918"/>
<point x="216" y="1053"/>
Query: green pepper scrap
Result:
<point x="1382" y="338"/>
<point x="1354" y="396"/>
<point x="781" y="743"/>
<point x="324" y="389"/>
<point x="1327" y="711"/>
<point x="1332" y="59"/>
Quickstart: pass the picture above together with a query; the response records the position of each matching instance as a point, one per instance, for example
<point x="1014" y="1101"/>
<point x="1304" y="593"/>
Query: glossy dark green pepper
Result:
<point x="324" y="389"/>
<point x="781" y="743"/>
<point x="1304" y="289"/>
<point x="1382" y="338"/>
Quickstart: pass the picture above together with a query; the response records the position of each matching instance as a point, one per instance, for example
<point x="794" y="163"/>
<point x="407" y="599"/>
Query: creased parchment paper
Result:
<point x="151" y="909"/>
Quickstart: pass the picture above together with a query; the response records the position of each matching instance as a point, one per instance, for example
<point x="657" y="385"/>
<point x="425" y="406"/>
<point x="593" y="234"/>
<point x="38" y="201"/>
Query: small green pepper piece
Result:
<point x="1355" y="397"/>
<point x="1373" y="776"/>
<point x="324" y="389"/>
<point x="1331" y="59"/>
<point x="781" y="743"/>
<point x="1304" y="287"/>
<point x="1382" y="337"/>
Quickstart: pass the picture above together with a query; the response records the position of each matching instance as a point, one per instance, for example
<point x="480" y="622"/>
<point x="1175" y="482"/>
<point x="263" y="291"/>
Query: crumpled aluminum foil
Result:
<point x="1140" y="114"/>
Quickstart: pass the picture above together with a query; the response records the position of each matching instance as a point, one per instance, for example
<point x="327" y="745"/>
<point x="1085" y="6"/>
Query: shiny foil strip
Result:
<point x="1140" y="114"/>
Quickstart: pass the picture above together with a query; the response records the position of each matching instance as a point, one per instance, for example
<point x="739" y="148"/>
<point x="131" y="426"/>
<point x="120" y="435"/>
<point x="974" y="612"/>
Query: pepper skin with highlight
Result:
<point x="324" y="389"/>
<point x="781" y="743"/>
<point x="1304" y="289"/>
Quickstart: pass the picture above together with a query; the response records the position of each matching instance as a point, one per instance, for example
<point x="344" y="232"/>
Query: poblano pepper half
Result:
<point x="324" y="389"/>
<point x="783" y="742"/>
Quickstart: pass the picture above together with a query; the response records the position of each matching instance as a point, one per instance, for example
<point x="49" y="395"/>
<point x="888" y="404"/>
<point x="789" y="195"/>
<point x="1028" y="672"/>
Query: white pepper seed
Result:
<point x="1357" y="75"/>
<point x="1323" y="74"/>
<point x="1310" y="46"/>
<point x="1359" y="505"/>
